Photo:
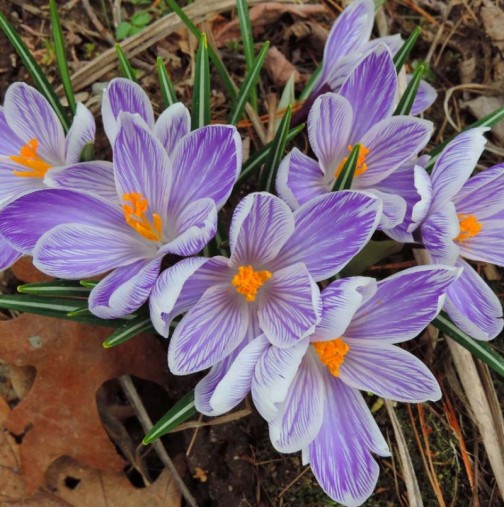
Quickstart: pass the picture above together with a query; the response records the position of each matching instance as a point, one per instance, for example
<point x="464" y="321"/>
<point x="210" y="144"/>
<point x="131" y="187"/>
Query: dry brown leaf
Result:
<point x="279" y="68"/>
<point x="59" y="415"/>
<point x="492" y="17"/>
<point x="483" y="105"/>
<point x="25" y="271"/>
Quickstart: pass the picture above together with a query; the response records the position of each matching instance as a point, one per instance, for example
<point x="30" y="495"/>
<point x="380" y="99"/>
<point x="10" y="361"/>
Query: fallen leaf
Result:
<point x="492" y="17"/>
<point x="483" y="105"/>
<point x="59" y="415"/>
<point x="25" y="271"/>
<point x="279" y="68"/>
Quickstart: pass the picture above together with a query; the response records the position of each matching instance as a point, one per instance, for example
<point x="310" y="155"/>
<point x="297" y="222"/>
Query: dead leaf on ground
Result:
<point x="492" y="17"/>
<point x="481" y="106"/>
<point x="25" y="271"/>
<point x="279" y="68"/>
<point x="59" y="415"/>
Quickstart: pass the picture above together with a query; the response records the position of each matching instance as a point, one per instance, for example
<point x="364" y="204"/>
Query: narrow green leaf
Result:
<point x="404" y="51"/>
<point x="219" y="66"/>
<point x="55" y="288"/>
<point x="311" y="83"/>
<point x="79" y="312"/>
<point x="253" y="164"/>
<point x="87" y="153"/>
<point x="276" y="152"/>
<point x="59" y="48"/>
<point x="140" y="324"/>
<point x="488" y="121"/>
<point x="371" y="254"/>
<point x="408" y="98"/>
<point x="180" y="412"/>
<point x="167" y="90"/>
<point x="35" y="71"/>
<point x="345" y="177"/>
<point x="248" y="84"/>
<point x="89" y="283"/>
<point x="480" y="349"/>
<point x="201" y="92"/>
<point x="124" y="65"/>
<point x="287" y="98"/>
<point x="248" y="45"/>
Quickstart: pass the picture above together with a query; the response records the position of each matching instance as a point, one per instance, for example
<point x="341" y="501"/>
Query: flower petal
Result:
<point x="290" y="306"/>
<point x="301" y="414"/>
<point x="81" y="132"/>
<point x="173" y="124"/>
<point x="30" y="116"/>
<point x="206" y="164"/>
<point x="402" y="305"/>
<point x="393" y="208"/>
<point x="124" y="290"/>
<point x="473" y="306"/>
<point x="389" y="372"/>
<point x="209" y="332"/>
<point x="123" y="95"/>
<point x="299" y="179"/>
<point x="329" y="231"/>
<point x="10" y="143"/>
<point x="14" y="187"/>
<point x="371" y="90"/>
<point x="391" y="143"/>
<point x="261" y="225"/>
<point x="274" y="373"/>
<point x="488" y="244"/>
<point x="425" y="97"/>
<point x="8" y="254"/>
<point x="455" y="164"/>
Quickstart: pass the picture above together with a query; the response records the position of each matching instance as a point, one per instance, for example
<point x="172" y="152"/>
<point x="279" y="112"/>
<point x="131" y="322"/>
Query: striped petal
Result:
<point x="81" y="132"/>
<point x="173" y="124"/>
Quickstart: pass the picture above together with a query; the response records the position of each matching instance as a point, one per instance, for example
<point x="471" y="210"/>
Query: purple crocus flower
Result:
<point x="267" y="285"/>
<point x="162" y="206"/>
<point x="465" y="221"/>
<point x="33" y="148"/>
<point x="360" y="113"/>
<point x="309" y="393"/>
<point x="348" y="41"/>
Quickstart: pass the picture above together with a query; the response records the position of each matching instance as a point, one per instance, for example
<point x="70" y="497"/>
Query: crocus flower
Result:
<point x="267" y="285"/>
<point x="163" y="206"/>
<point x="33" y="147"/>
<point x="465" y="221"/>
<point x="309" y="393"/>
<point x="348" y="41"/>
<point x="360" y="113"/>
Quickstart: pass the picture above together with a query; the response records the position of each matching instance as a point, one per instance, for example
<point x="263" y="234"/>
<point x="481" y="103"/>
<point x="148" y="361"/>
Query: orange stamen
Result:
<point x="332" y="354"/>
<point x="361" y="161"/>
<point x="134" y="215"/>
<point x="28" y="158"/>
<point x="469" y="227"/>
<point x="248" y="282"/>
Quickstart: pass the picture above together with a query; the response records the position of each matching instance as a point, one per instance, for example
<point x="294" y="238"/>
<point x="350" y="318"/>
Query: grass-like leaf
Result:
<point x="180" y="412"/>
<point x="404" y="51"/>
<point x="65" y="288"/>
<point x="248" y="85"/>
<point x="124" y="65"/>
<point x="480" y="349"/>
<point x="248" y="45"/>
<point x="276" y="153"/>
<point x="87" y="153"/>
<point x="59" y="49"/>
<point x="36" y="73"/>
<point x="140" y="324"/>
<point x="311" y="83"/>
<point x="201" y="92"/>
<point x="345" y="177"/>
<point x="165" y="84"/>
<point x="408" y="98"/>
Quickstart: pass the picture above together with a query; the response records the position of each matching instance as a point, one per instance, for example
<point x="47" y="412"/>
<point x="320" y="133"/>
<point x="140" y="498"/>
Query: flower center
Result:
<point x="134" y="215"/>
<point x="37" y="167"/>
<point x="332" y="354"/>
<point x="361" y="167"/>
<point x="469" y="227"/>
<point x="247" y="281"/>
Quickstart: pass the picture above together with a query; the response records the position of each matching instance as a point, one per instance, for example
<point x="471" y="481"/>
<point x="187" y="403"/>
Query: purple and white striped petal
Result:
<point x="425" y="97"/>
<point x="10" y="143"/>
<point x="290" y="306"/>
<point x="30" y="116"/>
<point x="455" y="164"/>
<point x="261" y="225"/>
<point x="340" y="300"/>
<point x="123" y="95"/>
<point x="340" y="455"/>
<point x="488" y="244"/>
<point x="274" y="373"/>
<point x="418" y="292"/>
<point x="124" y="290"/>
<point x="12" y="186"/>
<point x="81" y="132"/>
<point x="209" y="332"/>
<point x="329" y="126"/>
<point x="371" y="90"/>
<point x="329" y="231"/>
<point x="388" y="371"/>
<point x="391" y="143"/>
<point x="301" y="414"/>
<point x="473" y="306"/>
<point x="300" y="179"/>
<point x="393" y="208"/>
<point x="96" y="178"/>
<point x="173" y="124"/>
<point x="206" y="164"/>
<point x="8" y="254"/>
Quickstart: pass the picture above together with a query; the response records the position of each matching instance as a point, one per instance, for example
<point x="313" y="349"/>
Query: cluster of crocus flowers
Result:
<point x="273" y="317"/>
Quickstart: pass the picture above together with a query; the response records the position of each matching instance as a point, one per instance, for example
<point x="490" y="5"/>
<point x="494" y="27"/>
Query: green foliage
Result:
<point x="345" y="177"/>
<point x="136" y="23"/>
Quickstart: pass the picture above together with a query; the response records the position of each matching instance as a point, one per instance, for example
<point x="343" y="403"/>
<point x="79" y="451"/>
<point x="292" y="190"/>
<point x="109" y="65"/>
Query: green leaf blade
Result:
<point x="165" y="84"/>
<point x="55" y="288"/>
<point x="248" y="44"/>
<point x="408" y="97"/>
<point x="136" y="326"/>
<point x="124" y="65"/>
<point x="201" y="92"/>
<point x="345" y="177"/>
<point x="404" y="51"/>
